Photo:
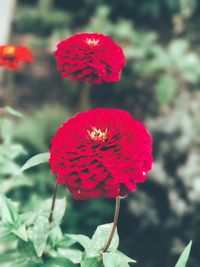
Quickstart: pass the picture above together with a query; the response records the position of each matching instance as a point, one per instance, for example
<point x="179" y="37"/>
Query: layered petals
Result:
<point x="90" y="57"/>
<point x="102" y="152"/>
<point x="12" y="57"/>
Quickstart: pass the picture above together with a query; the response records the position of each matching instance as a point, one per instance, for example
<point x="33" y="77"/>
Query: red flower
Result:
<point x="90" y="57"/>
<point x="101" y="152"/>
<point x="12" y="56"/>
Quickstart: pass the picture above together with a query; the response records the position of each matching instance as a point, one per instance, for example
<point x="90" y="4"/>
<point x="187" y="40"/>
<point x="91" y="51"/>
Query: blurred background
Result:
<point x="159" y="86"/>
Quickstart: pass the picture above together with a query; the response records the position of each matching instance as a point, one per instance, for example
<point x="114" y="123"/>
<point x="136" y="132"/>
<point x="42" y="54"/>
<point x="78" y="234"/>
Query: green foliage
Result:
<point x="93" y="255"/>
<point x="41" y="242"/>
<point x="10" y="171"/>
<point x="40" y="20"/>
<point x="36" y="131"/>
<point x="165" y="89"/>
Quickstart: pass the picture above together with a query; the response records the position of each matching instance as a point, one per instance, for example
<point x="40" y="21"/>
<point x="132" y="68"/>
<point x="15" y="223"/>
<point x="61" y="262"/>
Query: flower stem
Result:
<point x="84" y="97"/>
<point x="10" y="91"/>
<point x="53" y="203"/>
<point x="116" y="216"/>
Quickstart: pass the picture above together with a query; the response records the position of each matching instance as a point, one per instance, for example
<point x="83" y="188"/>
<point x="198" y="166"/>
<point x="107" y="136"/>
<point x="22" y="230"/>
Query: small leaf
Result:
<point x="165" y="89"/>
<point x="9" y="257"/>
<point x="184" y="256"/>
<point x="14" y="182"/>
<point x="40" y="234"/>
<point x="114" y="259"/>
<point x="59" y="209"/>
<point x="92" y="262"/>
<point x="9" y="214"/>
<point x="101" y="235"/>
<point x="6" y="131"/>
<point x="21" y="232"/>
<point x="36" y="160"/>
<point x="83" y="240"/>
<point x="12" y="112"/>
<point x="128" y="259"/>
<point x="55" y="235"/>
<point x="59" y="262"/>
<point x="6" y="236"/>
<point x="65" y="242"/>
<point x="74" y="255"/>
<point x="27" y="254"/>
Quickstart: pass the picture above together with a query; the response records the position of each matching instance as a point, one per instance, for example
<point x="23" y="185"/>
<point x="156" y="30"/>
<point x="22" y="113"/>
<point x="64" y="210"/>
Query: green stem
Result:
<point x="10" y="87"/>
<point x="116" y="216"/>
<point x="53" y="203"/>
<point x="84" y="97"/>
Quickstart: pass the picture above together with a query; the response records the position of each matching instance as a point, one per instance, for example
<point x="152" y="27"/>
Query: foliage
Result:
<point x="159" y="85"/>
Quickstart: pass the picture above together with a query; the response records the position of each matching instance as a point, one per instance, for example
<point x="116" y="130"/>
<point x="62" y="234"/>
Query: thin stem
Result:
<point x="84" y="97"/>
<point x="53" y="203"/>
<point x="116" y="216"/>
<point x="10" y="89"/>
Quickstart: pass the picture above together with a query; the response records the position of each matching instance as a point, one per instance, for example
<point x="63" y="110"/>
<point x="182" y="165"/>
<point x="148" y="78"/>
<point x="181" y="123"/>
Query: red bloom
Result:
<point x="12" y="56"/>
<point x="90" y="57"/>
<point x="101" y="152"/>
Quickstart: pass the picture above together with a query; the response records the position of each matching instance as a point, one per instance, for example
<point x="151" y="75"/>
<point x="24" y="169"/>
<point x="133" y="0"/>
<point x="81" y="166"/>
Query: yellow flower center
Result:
<point x="9" y="51"/>
<point x="92" y="41"/>
<point x="98" y="135"/>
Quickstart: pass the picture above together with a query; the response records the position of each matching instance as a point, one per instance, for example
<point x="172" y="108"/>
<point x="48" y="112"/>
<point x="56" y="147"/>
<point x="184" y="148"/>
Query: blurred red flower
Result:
<point x="101" y="152"/>
<point x="90" y="57"/>
<point x="12" y="56"/>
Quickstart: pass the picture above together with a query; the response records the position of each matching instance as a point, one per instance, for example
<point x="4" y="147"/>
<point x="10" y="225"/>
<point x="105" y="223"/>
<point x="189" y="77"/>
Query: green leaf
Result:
<point x="115" y="259"/>
<point x="74" y="255"/>
<point x="59" y="209"/>
<point x="14" y="182"/>
<point x="8" y="211"/>
<point x="65" y="242"/>
<point x="165" y="89"/>
<point x="21" y="232"/>
<point x="92" y="262"/>
<point x="55" y="235"/>
<point x="9" y="256"/>
<point x="12" y="112"/>
<point x="59" y="262"/>
<point x="101" y="235"/>
<point x="83" y="240"/>
<point x="184" y="256"/>
<point x="6" y="131"/>
<point x="128" y="259"/>
<point x="36" y="160"/>
<point x="28" y="255"/>
<point x="40" y="234"/>
<point x="6" y="236"/>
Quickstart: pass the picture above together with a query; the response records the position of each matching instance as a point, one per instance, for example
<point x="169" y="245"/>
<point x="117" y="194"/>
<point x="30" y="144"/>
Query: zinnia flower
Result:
<point x="12" y="56"/>
<point x="101" y="152"/>
<point x="90" y="57"/>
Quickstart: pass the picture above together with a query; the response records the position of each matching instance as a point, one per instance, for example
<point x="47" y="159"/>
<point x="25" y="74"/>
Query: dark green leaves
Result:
<point x="166" y="89"/>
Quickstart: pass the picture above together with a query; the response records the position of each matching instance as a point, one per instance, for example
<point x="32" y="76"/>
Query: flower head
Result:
<point x="12" y="56"/>
<point x="90" y="57"/>
<point x="101" y="152"/>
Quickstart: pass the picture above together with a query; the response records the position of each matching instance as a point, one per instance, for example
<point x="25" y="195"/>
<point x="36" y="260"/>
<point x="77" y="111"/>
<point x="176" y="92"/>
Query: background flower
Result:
<point x="101" y="152"/>
<point x="12" y="56"/>
<point x="90" y="57"/>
